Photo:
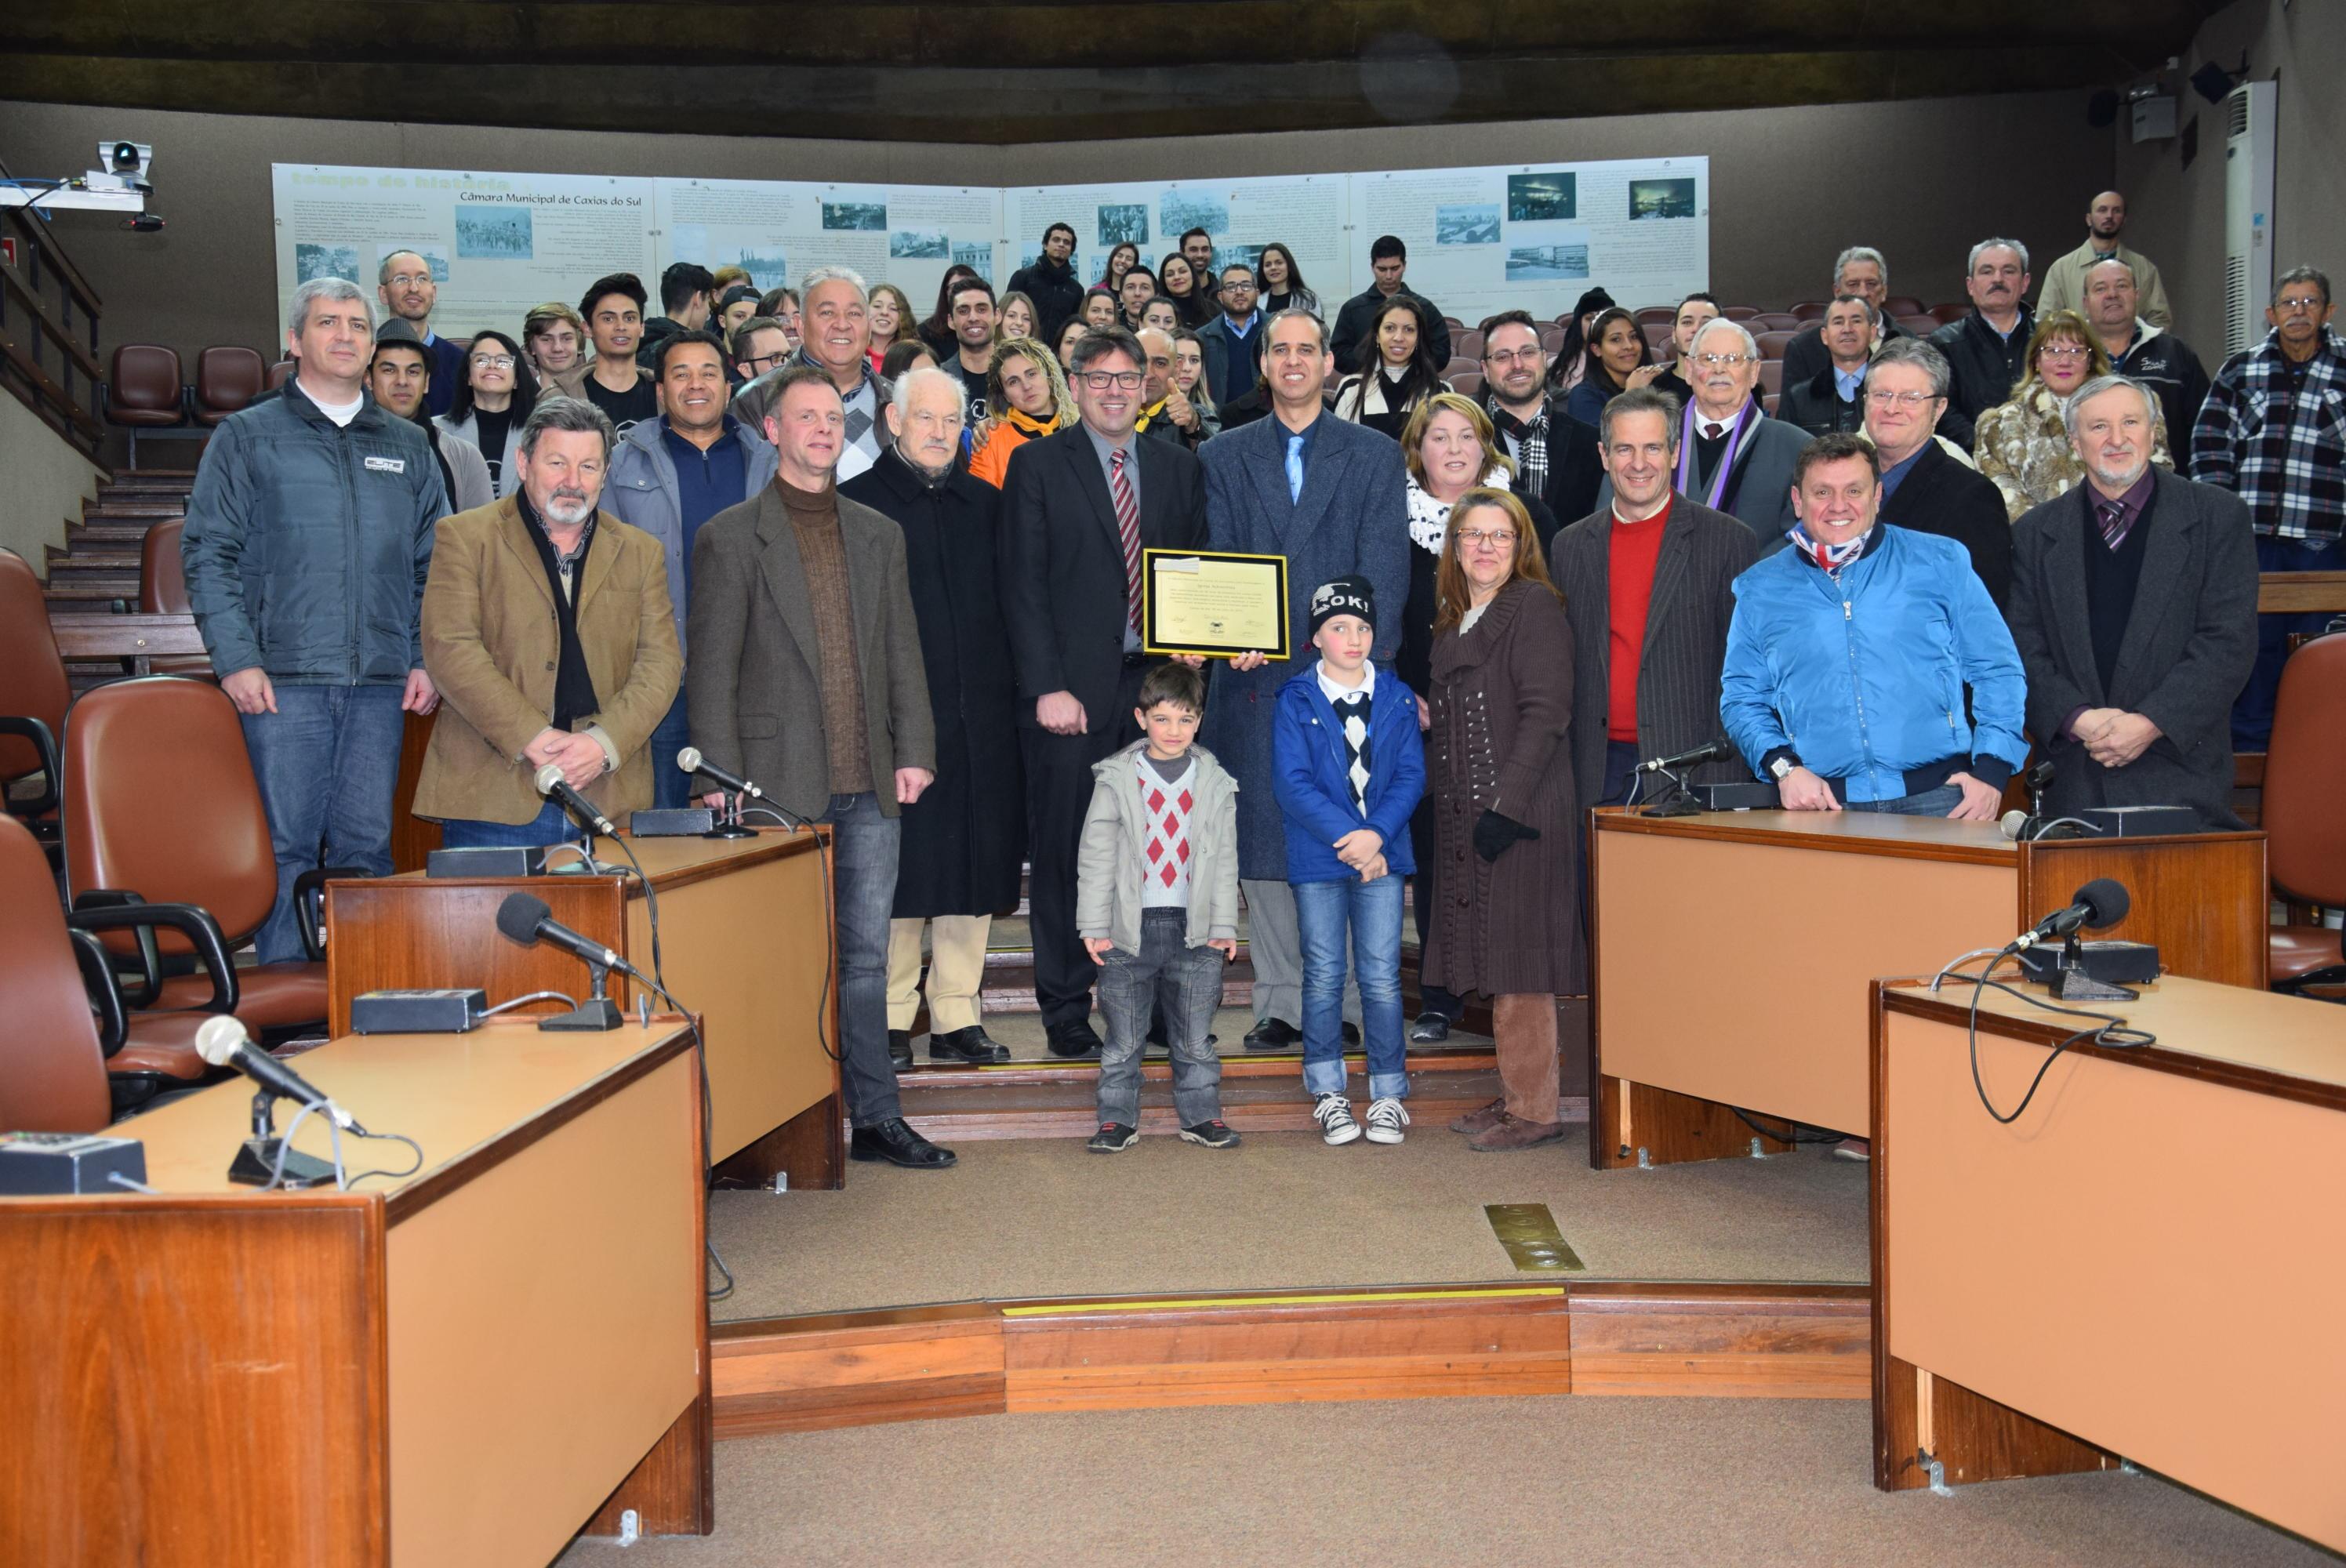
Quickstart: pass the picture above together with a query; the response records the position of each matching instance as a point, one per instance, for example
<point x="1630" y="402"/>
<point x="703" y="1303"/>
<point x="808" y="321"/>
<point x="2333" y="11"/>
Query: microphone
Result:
<point x="1708" y="751"/>
<point x="525" y="918"/>
<point x="2098" y="905"/>
<point x="2015" y="824"/>
<point x="222" y="1041"/>
<point x="2038" y="777"/>
<point x="554" y="787"/>
<point x="692" y="761"/>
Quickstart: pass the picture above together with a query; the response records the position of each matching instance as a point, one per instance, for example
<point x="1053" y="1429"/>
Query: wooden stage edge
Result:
<point x="1534" y="1336"/>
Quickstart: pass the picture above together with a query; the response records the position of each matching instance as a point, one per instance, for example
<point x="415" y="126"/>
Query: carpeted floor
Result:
<point x="1043" y="1218"/>
<point x="1582" y="1481"/>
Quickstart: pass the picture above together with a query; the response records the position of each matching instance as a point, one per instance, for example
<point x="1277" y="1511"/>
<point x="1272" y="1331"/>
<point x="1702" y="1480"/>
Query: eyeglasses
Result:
<point x="408" y="280"/>
<point x="1100" y="381"/>
<point x="2312" y="304"/>
<point x="1721" y="362"/>
<point x="2064" y="352"/>
<point x="1470" y="537"/>
<point x="493" y="361"/>
<point x="1905" y="400"/>
<point x="764" y="362"/>
<point x="1506" y="357"/>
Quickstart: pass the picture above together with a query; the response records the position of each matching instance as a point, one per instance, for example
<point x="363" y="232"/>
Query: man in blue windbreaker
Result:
<point x="1849" y="653"/>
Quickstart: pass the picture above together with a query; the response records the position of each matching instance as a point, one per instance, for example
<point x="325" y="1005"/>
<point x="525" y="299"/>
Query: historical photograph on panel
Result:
<point x="1124" y="223"/>
<point x="1178" y="211"/>
<point x="1532" y="263"/>
<point x="977" y="255"/>
<point x="1477" y="224"/>
<point x="1542" y="198"/>
<point x="493" y="234"/>
<point x="435" y="257"/>
<point x="767" y="269"/>
<point x="925" y="244"/>
<point x="866" y="215"/>
<point x="312" y="262"/>
<point x="1661" y="198"/>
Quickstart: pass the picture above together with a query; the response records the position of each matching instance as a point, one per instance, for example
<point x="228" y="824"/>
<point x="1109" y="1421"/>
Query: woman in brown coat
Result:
<point x="1506" y="825"/>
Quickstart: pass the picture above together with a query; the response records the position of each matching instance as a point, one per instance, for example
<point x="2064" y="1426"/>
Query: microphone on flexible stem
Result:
<point x="554" y="787"/>
<point x="525" y="918"/>
<point x="2035" y="781"/>
<point x="692" y="761"/>
<point x="2099" y="904"/>
<point x="223" y="1043"/>
<point x="1708" y="751"/>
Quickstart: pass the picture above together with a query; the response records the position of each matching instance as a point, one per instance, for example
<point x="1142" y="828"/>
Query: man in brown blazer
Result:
<point x="807" y="679"/>
<point x="548" y="631"/>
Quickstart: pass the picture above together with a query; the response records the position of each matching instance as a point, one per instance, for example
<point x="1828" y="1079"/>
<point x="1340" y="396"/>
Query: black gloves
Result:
<point x="1493" y="834"/>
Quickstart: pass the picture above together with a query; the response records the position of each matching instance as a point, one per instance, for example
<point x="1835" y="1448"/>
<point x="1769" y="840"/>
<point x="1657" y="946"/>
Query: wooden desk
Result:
<point x="1731" y="951"/>
<point x="2149" y="1262"/>
<point x="744" y="941"/>
<point x="452" y="1367"/>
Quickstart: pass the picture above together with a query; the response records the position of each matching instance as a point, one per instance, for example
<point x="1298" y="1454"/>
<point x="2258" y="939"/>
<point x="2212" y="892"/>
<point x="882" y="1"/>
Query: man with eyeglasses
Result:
<point x="405" y="286"/>
<point x="400" y="375"/>
<point x="1987" y="351"/>
<point x="668" y="476"/>
<point x="757" y="345"/>
<point x="2271" y="433"/>
<point x="1079" y="507"/>
<point x="1227" y="341"/>
<point x="1556" y="455"/>
<point x="1924" y="486"/>
<point x="1733" y="458"/>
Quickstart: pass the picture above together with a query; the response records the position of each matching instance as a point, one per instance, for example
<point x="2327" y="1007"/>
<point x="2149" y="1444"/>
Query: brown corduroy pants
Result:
<point x="1524" y="1024"/>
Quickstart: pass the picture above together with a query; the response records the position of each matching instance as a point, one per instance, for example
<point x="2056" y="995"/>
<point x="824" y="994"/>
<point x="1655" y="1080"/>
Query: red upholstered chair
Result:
<point x="1768" y="404"/>
<point x="226" y="378"/>
<point x="1648" y="315"/>
<point x="1904" y="305"/>
<point x="161" y="806"/>
<point x="1774" y="321"/>
<point x="1467" y="345"/>
<point x="1738" y="312"/>
<point x="282" y="372"/>
<point x="1810" y="309"/>
<point x="2305" y="834"/>
<point x="144" y="394"/>
<point x="163" y="591"/>
<point x="1468" y="384"/>
<point x="1551" y="337"/>
<point x="1771" y="343"/>
<point x="1772" y="376"/>
<point x="1921" y="323"/>
<point x="1947" y="313"/>
<point x="34" y="693"/>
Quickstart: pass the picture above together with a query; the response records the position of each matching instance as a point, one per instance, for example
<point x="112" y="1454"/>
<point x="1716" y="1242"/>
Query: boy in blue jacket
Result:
<point x="1348" y="769"/>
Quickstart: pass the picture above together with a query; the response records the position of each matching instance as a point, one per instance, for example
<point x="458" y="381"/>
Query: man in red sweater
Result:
<point x="1645" y="671"/>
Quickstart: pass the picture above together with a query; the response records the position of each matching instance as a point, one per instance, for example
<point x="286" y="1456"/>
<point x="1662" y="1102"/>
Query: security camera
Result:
<point x="130" y="159"/>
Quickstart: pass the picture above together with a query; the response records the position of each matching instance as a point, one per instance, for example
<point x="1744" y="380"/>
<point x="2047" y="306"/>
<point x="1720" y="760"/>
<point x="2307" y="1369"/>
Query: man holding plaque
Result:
<point x="1079" y="507"/>
<point x="1331" y="497"/>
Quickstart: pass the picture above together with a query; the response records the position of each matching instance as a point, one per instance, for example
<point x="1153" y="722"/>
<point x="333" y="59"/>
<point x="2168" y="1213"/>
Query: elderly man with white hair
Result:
<point x="1733" y="458"/>
<point x="2134" y="605"/>
<point x="962" y="842"/>
<point x="835" y="337"/>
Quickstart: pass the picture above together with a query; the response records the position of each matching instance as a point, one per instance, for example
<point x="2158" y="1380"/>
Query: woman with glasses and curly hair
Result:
<point x="2021" y="443"/>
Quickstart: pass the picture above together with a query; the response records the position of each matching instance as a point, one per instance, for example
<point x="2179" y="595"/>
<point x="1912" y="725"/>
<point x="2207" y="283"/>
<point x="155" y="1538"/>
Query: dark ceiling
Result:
<point x="982" y="71"/>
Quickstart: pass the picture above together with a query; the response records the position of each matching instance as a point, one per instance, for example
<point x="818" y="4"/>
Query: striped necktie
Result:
<point x="1127" y="527"/>
<point x="2116" y="518"/>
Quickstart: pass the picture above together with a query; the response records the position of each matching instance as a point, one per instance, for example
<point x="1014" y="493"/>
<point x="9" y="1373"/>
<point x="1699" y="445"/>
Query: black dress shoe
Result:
<point x="970" y="1045"/>
<point x="900" y="1048"/>
<point x="1432" y="1028"/>
<point x="896" y="1142"/>
<point x="1075" y="1042"/>
<point x="1351" y="1034"/>
<point x="1273" y="1034"/>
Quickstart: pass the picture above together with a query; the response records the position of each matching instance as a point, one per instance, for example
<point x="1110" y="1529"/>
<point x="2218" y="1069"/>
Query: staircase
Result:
<point x="96" y="569"/>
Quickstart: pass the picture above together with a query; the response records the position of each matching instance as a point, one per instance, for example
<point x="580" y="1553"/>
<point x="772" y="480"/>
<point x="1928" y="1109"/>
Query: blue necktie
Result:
<point x="1294" y="468"/>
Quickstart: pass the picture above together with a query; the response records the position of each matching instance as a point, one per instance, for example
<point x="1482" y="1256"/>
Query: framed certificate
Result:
<point x="1201" y="602"/>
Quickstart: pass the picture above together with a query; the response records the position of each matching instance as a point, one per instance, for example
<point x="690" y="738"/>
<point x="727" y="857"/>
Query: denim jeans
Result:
<point x="671" y="785"/>
<point x="2252" y="714"/>
<point x="552" y="825"/>
<point x="1371" y="911"/>
<point x="1187" y="982"/>
<point x="1929" y="803"/>
<point x="327" y="762"/>
<point x="863" y="878"/>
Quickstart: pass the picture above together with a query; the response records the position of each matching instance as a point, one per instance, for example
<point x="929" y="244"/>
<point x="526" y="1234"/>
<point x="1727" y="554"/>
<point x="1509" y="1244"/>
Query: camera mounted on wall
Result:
<point x="118" y="184"/>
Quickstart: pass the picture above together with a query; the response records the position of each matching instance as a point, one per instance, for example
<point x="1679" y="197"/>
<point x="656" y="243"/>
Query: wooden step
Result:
<point x="1011" y="1078"/>
<point x="109" y="534"/>
<point x="81" y="598"/>
<point x="128" y="508"/>
<point x="1269" y="1101"/>
<point x="106" y="560"/>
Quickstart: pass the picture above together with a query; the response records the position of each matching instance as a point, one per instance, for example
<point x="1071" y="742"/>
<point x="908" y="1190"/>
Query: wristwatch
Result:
<point x="1782" y="768"/>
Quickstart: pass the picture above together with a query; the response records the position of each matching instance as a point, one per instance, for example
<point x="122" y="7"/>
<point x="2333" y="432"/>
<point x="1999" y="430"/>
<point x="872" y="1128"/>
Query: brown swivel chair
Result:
<point x="163" y="591"/>
<point x="227" y="379"/>
<point x="160" y="807"/>
<point x="145" y="394"/>
<point x="282" y="372"/>
<point x="2305" y="834"/>
<point x="34" y="693"/>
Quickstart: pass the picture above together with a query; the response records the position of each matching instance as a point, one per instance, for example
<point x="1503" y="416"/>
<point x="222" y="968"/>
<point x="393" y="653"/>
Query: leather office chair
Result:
<point x="226" y="378"/>
<point x="282" y="372"/>
<point x="144" y="392"/>
<point x="34" y="693"/>
<point x="160" y="807"/>
<point x="163" y="591"/>
<point x="2305" y="834"/>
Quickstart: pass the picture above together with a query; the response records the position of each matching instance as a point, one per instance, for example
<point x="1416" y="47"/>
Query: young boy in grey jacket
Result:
<point x="1157" y="904"/>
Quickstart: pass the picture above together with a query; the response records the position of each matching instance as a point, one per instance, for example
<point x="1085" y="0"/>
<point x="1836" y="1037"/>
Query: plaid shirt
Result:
<point x="2282" y="450"/>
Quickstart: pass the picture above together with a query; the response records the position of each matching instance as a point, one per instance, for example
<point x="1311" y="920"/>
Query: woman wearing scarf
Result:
<point x="1022" y="384"/>
<point x="1450" y="449"/>
<point x="2024" y="444"/>
<point x="1396" y="373"/>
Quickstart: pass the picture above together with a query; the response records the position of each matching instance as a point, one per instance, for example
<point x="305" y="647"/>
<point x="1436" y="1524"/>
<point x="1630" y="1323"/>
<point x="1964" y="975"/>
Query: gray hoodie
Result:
<point x="1108" y="872"/>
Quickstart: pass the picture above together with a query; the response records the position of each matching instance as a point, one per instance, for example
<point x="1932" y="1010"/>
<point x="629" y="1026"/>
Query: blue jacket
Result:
<point x="642" y="493"/>
<point x="1307" y="775"/>
<point x="1863" y="681"/>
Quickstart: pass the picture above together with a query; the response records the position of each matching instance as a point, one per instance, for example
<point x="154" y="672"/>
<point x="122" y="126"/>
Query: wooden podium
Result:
<point x="458" y="1366"/>
<point x="1731" y="952"/>
<point x="745" y="942"/>
<point x="2148" y="1263"/>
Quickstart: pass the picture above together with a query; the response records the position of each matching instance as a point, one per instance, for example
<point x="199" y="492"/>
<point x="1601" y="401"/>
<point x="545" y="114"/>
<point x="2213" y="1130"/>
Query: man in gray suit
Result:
<point x="1651" y="582"/>
<point x="1332" y="497"/>
<point x="1733" y="458"/>
<point x="805" y="677"/>
<point x="2134" y="605"/>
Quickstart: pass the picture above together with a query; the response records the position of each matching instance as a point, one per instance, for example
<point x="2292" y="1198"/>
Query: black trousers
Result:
<point x="1058" y="792"/>
<point x="1422" y="894"/>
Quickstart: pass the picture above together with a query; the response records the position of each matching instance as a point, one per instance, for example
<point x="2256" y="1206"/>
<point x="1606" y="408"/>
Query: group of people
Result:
<point x="905" y="598"/>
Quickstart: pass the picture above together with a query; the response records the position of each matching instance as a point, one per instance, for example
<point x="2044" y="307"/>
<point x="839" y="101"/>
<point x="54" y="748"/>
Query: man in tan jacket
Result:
<point x="548" y="630"/>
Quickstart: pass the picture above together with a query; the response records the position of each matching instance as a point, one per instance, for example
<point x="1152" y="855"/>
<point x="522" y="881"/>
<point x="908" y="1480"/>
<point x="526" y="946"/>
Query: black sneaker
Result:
<point x="1351" y="1034"/>
<point x="1432" y="1028"/>
<point x="1214" y="1134"/>
<point x="1114" y="1137"/>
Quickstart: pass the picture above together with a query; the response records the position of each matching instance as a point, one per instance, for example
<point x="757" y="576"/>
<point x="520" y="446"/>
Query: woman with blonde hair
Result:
<point x="891" y="313"/>
<point x="1029" y="400"/>
<point x="1508" y="924"/>
<point x="2021" y="443"/>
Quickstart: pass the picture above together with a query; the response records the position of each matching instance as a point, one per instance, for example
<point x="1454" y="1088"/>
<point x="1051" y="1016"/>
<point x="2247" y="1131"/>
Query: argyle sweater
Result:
<point x="1165" y="839"/>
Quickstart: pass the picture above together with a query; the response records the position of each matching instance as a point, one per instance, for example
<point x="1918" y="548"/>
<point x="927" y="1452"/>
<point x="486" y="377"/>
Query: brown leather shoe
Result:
<point x="1513" y="1133"/>
<point x="1483" y="1119"/>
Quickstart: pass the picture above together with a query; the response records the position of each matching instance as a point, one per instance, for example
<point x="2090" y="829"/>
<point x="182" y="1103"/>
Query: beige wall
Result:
<point x="47" y="481"/>
<point x="1788" y="186"/>
<point x="2177" y="215"/>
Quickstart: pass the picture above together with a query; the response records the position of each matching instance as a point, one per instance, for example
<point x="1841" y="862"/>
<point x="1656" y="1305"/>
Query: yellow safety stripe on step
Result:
<point x="1496" y="1292"/>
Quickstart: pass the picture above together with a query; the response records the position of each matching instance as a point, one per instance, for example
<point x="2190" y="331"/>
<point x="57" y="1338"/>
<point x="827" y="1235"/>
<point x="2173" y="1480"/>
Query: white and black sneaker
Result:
<point x="1334" y="1115"/>
<point x="1386" y="1120"/>
<point x="1214" y="1133"/>
<point x="1113" y="1137"/>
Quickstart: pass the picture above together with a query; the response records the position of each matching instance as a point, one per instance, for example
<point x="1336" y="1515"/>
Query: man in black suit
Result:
<point x="1556" y="455"/>
<point x="1924" y="486"/>
<point x="1653" y="577"/>
<point x="1834" y="398"/>
<point x="1857" y="270"/>
<point x="1077" y="508"/>
<point x="2134" y="606"/>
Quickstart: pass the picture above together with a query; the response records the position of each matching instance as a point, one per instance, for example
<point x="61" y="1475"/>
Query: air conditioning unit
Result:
<point x="2249" y="118"/>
